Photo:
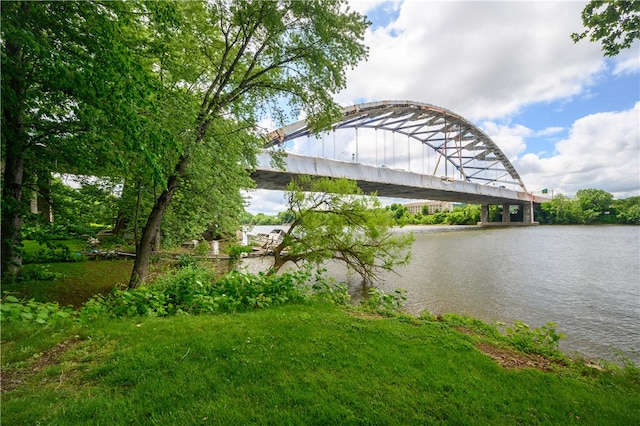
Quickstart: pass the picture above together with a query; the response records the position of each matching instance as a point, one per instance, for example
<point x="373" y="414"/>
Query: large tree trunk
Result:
<point x="152" y="227"/>
<point x="12" y="205"/>
<point x="15" y="138"/>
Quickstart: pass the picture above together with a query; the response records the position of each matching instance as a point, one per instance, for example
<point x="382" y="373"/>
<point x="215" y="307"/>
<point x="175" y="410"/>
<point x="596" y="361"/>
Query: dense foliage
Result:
<point x="590" y="206"/>
<point x="231" y="63"/>
<point x="74" y="96"/>
<point x="615" y="23"/>
<point x="335" y="220"/>
<point x="194" y="289"/>
<point x="467" y="215"/>
<point x="162" y="98"/>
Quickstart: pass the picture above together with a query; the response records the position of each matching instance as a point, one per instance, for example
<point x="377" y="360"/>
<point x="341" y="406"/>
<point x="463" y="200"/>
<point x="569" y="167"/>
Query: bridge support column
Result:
<point x="506" y="217"/>
<point x="484" y="214"/>
<point x="527" y="213"/>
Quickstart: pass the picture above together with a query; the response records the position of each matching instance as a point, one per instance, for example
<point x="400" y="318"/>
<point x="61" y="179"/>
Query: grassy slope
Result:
<point x="296" y="364"/>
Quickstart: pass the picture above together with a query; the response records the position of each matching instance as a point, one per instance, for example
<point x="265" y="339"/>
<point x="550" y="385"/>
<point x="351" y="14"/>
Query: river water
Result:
<point x="584" y="278"/>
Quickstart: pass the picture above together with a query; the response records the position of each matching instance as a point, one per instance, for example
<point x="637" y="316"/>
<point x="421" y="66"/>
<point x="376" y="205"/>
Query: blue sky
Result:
<point x="611" y="93"/>
<point x="566" y="117"/>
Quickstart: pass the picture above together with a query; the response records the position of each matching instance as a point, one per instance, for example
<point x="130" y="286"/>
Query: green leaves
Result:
<point x="544" y="340"/>
<point x="334" y="219"/>
<point x="614" y="23"/>
<point x="193" y="290"/>
<point x="14" y="310"/>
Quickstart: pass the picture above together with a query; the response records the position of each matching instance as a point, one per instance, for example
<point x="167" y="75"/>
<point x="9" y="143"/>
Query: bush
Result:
<point x="235" y="254"/>
<point x="192" y="290"/>
<point x="37" y="273"/>
<point x="186" y="260"/>
<point x="379" y="301"/>
<point x="181" y="287"/>
<point x="14" y="310"/>
<point x="544" y="340"/>
<point x="330" y="291"/>
<point x="54" y="251"/>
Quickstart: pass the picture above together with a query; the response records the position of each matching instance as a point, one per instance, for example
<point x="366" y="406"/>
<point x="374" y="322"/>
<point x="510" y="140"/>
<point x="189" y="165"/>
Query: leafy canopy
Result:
<point x="614" y="23"/>
<point x="239" y="61"/>
<point x="335" y="220"/>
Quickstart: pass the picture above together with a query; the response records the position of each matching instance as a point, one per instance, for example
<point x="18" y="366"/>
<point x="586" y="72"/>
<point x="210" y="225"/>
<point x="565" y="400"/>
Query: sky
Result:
<point x="566" y="117"/>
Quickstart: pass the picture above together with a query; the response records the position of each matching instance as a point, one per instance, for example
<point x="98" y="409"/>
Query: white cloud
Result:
<point x="602" y="151"/>
<point x="482" y="60"/>
<point x="628" y="61"/>
<point x="365" y="6"/>
<point x="549" y="131"/>
<point x="511" y="140"/>
<point x="265" y="201"/>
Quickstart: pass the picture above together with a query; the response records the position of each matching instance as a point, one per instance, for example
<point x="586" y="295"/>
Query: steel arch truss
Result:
<point x="457" y="141"/>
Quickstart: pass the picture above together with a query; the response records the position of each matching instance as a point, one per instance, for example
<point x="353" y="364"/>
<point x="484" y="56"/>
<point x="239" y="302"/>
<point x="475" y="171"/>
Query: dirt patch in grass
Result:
<point x="508" y="358"/>
<point x="365" y="315"/>
<point x="11" y="379"/>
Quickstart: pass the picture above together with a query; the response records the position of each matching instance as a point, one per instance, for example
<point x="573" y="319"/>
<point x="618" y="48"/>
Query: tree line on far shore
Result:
<point x="589" y="206"/>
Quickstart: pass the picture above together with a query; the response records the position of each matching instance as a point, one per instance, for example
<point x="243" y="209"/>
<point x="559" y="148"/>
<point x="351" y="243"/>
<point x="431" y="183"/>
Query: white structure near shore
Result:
<point x="433" y="206"/>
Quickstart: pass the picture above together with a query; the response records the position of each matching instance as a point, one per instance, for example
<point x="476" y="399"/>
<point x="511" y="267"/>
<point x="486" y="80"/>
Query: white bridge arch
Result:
<point x="468" y="166"/>
<point x="458" y="142"/>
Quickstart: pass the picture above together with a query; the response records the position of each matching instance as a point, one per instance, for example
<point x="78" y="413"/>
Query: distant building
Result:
<point x="433" y="207"/>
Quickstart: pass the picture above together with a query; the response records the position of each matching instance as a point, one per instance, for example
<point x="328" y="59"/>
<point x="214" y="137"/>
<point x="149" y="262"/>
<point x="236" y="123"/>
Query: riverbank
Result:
<point x="309" y="363"/>
<point x="428" y="229"/>
<point x="584" y="278"/>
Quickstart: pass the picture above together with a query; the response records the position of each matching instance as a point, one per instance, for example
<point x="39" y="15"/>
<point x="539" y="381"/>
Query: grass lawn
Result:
<point x="31" y="246"/>
<point x="309" y="363"/>
<point x="75" y="282"/>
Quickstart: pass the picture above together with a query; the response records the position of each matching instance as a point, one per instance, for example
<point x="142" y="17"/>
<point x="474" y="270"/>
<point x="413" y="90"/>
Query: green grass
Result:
<point x="302" y="364"/>
<point x="31" y="246"/>
<point x="76" y="282"/>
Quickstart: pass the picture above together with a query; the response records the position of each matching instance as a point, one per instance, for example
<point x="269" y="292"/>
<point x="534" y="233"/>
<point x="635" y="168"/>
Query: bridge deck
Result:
<point x="385" y="182"/>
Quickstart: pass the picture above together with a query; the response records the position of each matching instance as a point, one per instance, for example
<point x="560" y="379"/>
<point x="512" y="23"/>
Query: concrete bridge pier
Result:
<point x="484" y="214"/>
<point x="506" y="214"/>
<point x="526" y="209"/>
<point x="527" y="213"/>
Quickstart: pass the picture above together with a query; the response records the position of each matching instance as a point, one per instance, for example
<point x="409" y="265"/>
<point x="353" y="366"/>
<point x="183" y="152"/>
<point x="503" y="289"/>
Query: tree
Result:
<point x="615" y="23"/>
<point x="469" y="215"/>
<point x="628" y="210"/>
<point x="286" y="217"/>
<point x="630" y="215"/>
<point x="334" y="220"/>
<point x="72" y="92"/>
<point x="239" y="56"/>
<point x="593" y="204"/>
<point x="561" y="210"/>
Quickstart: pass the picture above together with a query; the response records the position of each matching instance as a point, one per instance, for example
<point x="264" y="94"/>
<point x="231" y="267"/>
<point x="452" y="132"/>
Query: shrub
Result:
<point x="329" y="290"/>
<point x="186" y="260"/>
<point x="37" y="273"/>
<point x="380" y="301"/>
<point x="181" y="287"/>
<point x="192" y="290"/>
<point x="54" y="251"/>
<point x="544" y="340"/>
<point x="14" y="310"/>
<point x="235" y="254"/>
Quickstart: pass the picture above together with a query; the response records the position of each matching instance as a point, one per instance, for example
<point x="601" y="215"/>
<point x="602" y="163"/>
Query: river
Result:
<point x="584" y="278"/>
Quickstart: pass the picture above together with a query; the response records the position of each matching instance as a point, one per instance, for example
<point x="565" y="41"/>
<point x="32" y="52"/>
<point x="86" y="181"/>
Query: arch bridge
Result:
<point x="403" y="149"/>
